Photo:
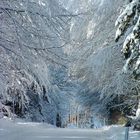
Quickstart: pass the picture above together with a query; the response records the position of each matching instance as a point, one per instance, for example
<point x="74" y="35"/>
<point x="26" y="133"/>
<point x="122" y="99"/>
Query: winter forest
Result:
<point x="70" y="64"/>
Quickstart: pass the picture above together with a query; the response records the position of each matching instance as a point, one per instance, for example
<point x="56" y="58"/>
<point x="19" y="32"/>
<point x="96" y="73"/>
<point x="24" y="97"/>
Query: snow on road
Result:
<point x="10" y="130"/>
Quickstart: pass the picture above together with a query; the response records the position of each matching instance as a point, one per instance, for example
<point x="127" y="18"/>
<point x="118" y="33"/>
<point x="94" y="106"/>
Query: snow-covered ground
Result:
<point x="10" y="130"/>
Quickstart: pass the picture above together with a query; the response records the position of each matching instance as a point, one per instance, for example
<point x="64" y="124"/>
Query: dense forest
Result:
<point x="70" y="61"/>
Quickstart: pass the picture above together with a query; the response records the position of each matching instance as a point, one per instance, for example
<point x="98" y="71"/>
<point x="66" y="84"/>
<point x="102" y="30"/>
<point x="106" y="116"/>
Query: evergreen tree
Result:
<point x="128" y="23"/>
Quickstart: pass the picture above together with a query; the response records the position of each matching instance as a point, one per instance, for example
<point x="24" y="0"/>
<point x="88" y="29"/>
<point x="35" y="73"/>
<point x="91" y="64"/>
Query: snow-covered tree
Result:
<point x="33" y="36"/>
<point x="129" y="22"/>
<point x="58" y="55"/>
<point x="98" y="62"/>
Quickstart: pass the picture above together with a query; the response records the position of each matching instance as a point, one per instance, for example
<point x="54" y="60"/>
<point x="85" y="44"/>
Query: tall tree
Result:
<point x="128" y="24"/>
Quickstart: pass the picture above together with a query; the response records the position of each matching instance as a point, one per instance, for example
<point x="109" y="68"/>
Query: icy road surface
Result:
<point x="36" y="131"/>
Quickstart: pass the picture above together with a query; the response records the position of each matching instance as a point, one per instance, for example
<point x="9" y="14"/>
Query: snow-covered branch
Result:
<point x="130" y="18"/>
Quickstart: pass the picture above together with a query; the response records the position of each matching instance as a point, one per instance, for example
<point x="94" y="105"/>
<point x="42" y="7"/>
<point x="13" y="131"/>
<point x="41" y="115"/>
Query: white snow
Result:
<point x="71" y="126"/>
<point x="10" y="130"/>
<point x="138" y="111"/>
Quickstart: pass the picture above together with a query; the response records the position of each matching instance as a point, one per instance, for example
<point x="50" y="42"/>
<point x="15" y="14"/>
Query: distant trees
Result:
<point x="99" y="62"/>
